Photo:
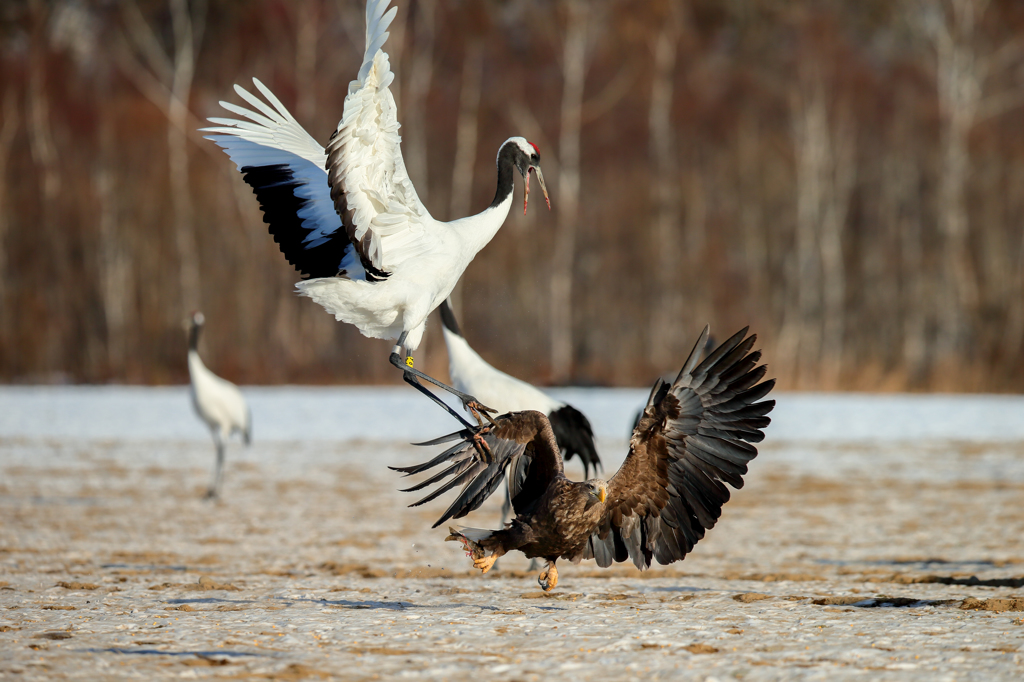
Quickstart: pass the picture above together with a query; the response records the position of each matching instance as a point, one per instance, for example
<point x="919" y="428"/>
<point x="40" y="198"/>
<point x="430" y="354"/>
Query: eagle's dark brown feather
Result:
<point x="693" y="437"/>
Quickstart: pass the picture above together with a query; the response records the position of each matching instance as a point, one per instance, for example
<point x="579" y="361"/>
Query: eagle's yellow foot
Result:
<point x="482" y="447"/>
<point x="484" y="563"/>
<point x="476" y="409"/>
<point x="549" y="578"/>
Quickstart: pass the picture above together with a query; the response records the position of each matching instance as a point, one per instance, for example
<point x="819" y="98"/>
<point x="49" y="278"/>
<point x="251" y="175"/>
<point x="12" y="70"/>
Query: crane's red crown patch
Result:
<point x="535" y="147"/>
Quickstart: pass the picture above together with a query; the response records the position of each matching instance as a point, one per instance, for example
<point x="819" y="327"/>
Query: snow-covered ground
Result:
<point x="866" y="525"/>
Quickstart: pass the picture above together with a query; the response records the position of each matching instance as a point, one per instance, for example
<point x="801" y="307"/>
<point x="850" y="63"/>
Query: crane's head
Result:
<point x="197" y="319"/>
<point x="526" y="158"/>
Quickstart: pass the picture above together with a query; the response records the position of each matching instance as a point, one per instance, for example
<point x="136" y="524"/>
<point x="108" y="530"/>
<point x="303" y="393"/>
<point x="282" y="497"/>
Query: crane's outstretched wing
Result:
<point x="694" y="435"/>
<point x="521" y="442"/>
<point x="287" y="170"/>
<point x="370" y="187"/>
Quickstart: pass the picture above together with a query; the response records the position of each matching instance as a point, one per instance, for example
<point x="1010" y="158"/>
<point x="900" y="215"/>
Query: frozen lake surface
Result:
<point x="398" y="413"/>
<point x="877" y="537"/>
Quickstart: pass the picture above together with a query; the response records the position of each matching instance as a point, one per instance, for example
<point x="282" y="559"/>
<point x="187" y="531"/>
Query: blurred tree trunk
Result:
<point x="1012" y="343"/>
<point x="950" y="28"/>
<point x="8" y="129"/>
<point x="44" y="154"/>
<point x="750" y="208"/>
<point x="964" y="62"/>
<point x="466" y="136"/>
<point x="114" y="264"/>
<point x="187" y="31"/>
<point x="574" y="71"/>
<point x="959" y="89"/>
<point x="801" y="335"/>
<point x="167" y="81"/>
<point x="825" y="175"/>
<point x="665" y="326"/>
<point x="418" y="84"/>
<point x="307" y="33"/>
<point x="841" y="179"/>
<point x="902" y="213"/>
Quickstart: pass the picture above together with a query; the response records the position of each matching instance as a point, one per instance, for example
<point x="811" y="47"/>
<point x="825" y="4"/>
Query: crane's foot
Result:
<point x="549" y="578"/>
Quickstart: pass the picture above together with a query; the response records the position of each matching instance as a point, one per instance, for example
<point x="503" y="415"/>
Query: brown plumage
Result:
<point x="693" y="437"/>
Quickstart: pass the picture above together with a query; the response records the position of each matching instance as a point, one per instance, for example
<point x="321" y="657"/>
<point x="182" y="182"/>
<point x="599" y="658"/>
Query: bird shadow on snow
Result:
<point x="146" y="567"/>
<point x="352" y="604"/>
<point x="673" y="588"/>
<point x="213" y="655"/>
<point x="400" y="605"/>
<point x="210" y="600"/>
<point x="882" y="602"/>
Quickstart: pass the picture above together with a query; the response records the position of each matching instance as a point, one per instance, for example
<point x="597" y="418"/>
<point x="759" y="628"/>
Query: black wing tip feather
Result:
<point x="575" y="436"/>
<point x="274" y="187"/>
<point x="479" y="477"/>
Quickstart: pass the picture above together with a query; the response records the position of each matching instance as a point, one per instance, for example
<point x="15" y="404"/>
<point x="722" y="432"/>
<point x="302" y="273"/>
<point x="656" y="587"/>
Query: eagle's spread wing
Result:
<point x="521" y="442"/>
<point x="693" y="436"/>
<point x="370" y="187"/>
<point x="287" y="170"/>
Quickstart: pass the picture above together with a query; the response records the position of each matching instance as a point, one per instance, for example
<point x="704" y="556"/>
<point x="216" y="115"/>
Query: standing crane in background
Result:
<point x="218" y="402"/>
<point x="348" y="217"/>
<point x="472" y="374"/>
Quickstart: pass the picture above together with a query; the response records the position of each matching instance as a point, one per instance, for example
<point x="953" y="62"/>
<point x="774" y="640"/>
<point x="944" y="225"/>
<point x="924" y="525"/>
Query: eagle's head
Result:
<point x="597" y="491"/>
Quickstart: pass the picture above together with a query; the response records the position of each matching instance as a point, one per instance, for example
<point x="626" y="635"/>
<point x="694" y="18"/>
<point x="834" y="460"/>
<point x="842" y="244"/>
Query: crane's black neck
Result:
<point x="448" y="319"/>
<point x="193" y="336"/>
<point x="508" y="157"/>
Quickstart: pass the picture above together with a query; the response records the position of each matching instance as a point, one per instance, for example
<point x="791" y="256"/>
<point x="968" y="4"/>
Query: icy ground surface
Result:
<point x="867" y="525"/>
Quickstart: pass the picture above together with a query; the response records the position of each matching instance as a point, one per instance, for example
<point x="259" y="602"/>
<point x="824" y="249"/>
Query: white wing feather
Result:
<point x="371" y="187"/>
<point x="273" y="137"/>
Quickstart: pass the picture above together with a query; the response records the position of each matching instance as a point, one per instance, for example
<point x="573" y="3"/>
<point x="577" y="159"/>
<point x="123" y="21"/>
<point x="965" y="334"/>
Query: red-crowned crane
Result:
<point x="218" y="402"/>
<point x="348" y="217"/>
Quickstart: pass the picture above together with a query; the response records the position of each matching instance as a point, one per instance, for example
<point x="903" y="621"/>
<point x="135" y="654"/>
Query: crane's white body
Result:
<point x="402" y="302"/>
<point x="472" y="374"/>
<point x="390" y="229"/>
<point x="218" y="402"/>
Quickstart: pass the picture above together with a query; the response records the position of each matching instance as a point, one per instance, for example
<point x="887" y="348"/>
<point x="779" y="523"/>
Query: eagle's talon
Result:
<point x="476" y="409"/>
<point x="548" y="580"/>
<point x="482" y="447"/>
<point x="484" y="563"/>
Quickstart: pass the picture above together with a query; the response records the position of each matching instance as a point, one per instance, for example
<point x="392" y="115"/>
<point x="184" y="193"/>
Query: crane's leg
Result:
<point x="410" y="374"/>
<point x="214" y="489"/>
<point x="414" y="382"/>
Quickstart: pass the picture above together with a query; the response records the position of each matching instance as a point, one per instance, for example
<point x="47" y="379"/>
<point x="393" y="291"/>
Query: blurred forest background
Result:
<point x="845" y="177"/>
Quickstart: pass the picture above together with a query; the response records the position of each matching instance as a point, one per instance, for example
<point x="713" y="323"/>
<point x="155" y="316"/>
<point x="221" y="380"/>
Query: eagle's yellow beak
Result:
<point x="601" y="494"/>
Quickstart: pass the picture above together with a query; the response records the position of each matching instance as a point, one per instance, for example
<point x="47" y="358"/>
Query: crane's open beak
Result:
<point x="543" y="187"/>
